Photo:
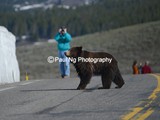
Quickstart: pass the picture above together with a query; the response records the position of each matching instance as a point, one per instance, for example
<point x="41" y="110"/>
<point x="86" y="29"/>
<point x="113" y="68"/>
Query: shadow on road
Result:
<point x="88" y="90"/>
<point x="46" y="90"/>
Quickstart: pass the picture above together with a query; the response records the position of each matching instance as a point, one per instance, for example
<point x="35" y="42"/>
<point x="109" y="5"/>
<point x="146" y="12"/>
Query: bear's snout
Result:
<point x="67" y="53"/>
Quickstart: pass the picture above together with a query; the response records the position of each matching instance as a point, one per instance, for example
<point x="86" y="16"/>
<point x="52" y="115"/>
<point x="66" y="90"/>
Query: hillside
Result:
<point x="140" y="42"/>
<point x="38" y="24"/>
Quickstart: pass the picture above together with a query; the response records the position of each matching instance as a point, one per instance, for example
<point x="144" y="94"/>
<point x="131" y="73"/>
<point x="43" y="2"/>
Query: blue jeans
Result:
<point x="65" y="64"/>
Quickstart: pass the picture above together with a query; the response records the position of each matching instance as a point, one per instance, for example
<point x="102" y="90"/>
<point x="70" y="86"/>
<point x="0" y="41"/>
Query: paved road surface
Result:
<point x="57" y="99"/>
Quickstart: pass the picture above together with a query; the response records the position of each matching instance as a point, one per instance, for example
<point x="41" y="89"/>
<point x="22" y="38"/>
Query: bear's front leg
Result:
<point x="84" y="80"/>
<point x="81" y="86"/>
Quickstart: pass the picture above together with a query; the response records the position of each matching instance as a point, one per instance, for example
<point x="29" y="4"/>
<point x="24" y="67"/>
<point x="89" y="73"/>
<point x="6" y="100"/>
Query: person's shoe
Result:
<point x="66" y="76"/>
<point x="62" y="76"/>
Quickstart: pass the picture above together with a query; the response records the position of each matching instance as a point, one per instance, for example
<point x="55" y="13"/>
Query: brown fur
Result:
<point x="109" y="71"/>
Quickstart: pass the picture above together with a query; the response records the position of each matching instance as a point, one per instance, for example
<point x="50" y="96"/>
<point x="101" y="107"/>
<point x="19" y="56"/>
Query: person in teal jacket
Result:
<point x="63" y="39"/>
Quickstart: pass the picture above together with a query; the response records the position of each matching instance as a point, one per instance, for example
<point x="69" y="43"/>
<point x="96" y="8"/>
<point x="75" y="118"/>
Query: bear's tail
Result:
<point x="118" y="80"/>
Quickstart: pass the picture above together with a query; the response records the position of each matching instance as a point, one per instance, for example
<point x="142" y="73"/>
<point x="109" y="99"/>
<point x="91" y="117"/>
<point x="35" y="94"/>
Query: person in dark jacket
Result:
<point x="140" y="68"/>
<point x="63" y="39"/>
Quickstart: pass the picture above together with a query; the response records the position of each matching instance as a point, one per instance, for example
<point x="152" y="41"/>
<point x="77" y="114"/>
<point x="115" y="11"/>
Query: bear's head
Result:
<point x="74" y="52"/>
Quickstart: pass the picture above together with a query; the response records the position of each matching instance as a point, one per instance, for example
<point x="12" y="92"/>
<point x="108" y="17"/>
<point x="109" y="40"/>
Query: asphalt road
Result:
<point x="57" y="99"/>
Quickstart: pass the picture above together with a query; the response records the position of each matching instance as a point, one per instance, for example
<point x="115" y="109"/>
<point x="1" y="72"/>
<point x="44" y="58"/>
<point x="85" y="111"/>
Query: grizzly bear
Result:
<point x="88" y="64"/>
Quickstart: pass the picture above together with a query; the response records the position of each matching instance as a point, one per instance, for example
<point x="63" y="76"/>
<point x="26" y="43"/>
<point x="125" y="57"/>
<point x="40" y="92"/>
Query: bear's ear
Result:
<point x="79" y="49"/>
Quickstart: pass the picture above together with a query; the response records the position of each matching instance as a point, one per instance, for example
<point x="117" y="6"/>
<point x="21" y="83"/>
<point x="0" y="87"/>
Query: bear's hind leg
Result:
<point x="118" y="80"/>
<point x="106" y="80"/>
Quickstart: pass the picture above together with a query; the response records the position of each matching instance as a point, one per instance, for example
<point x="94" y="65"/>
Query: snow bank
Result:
<point x="9" y="68"/>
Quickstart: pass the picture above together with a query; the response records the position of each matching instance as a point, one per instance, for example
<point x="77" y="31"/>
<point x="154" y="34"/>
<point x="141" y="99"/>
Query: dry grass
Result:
<point x="139" y="42"/>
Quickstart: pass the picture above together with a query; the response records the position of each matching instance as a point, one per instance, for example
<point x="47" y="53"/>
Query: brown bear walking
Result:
<point x="95" y="63"/>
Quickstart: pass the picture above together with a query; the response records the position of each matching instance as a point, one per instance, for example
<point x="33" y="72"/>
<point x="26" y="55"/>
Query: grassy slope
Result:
<point x="139" y="42"/>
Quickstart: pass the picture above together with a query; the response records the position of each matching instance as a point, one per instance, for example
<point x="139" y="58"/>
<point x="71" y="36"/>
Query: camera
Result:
<point x="62" y="30"/>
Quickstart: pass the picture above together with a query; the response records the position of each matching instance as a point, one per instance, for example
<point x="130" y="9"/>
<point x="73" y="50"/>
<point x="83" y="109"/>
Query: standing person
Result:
<point x="63" y="39"/>
<point x="146" y="68"/>
<point x="140" y="68"/>
<point x="135" y="67"/>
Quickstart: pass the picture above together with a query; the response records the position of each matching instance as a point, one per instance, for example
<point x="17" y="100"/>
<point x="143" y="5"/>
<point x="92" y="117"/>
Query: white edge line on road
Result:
<point x="6" y="89"/>
<point x="19" y="84"/>
<point x="26" y="83"/>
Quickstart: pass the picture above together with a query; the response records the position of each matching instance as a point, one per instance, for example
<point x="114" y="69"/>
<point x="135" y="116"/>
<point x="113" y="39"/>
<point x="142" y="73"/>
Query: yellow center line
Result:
<point x="133" y="113"/>
<point x="137" y="110"/>
<point x="153" y="96"/>
<point x="146" y="114"/>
